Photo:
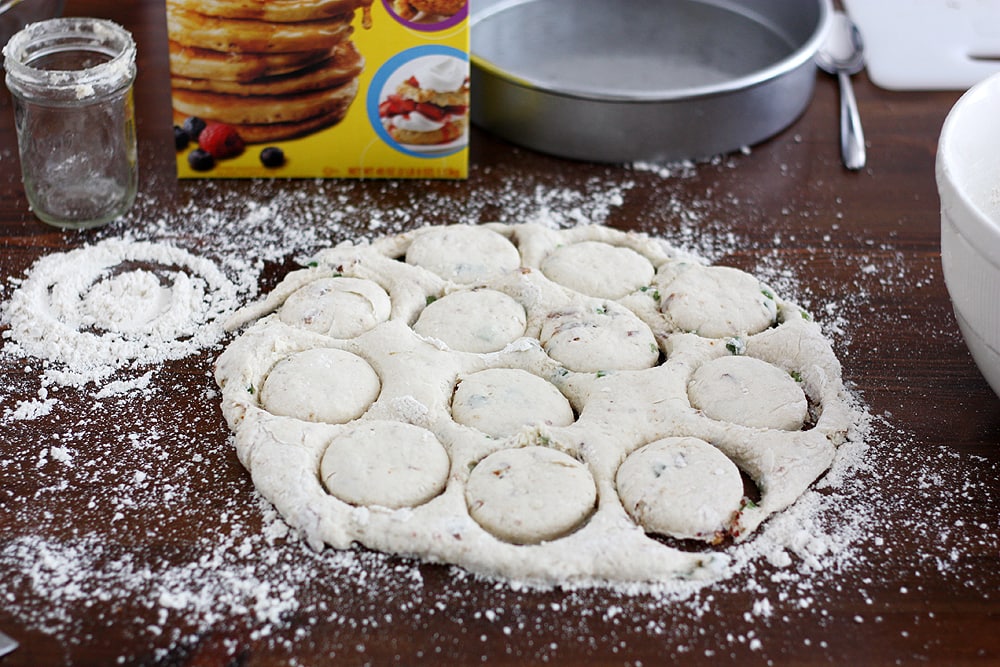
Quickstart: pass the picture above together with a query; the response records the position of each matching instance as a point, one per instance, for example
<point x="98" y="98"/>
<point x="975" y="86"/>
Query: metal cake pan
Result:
<point x="642" y="80"/>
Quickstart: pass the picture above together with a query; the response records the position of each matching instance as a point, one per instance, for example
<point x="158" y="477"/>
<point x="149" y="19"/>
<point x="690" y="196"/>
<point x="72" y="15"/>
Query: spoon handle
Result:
<point x="852" y="137"/>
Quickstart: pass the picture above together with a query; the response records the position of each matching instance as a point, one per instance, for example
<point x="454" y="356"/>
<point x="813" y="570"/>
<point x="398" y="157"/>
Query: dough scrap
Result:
<point x="530" y="494"/>
<point x="574" y="402"/>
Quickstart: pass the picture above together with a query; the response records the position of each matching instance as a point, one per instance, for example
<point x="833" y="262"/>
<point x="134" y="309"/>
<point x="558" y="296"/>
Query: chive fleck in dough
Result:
<point x="681" y="487"/>
<point x="320" y="385"/>
<point x="502" y="401"/>
<point x="386" y="464"/>
<point x="750" y="392"/>
<point x="530" y="495"/>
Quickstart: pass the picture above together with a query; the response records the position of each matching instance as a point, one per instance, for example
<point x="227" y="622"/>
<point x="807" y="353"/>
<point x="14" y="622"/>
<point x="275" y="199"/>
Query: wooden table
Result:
<point x="93" y="557"/>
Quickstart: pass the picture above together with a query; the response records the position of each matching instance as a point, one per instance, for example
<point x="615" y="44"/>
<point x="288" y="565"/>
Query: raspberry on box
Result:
<point x="221" y="141"/>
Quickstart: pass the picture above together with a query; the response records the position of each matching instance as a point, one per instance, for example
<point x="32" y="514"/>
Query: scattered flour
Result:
<point x="67" y="329"/>
<point x="92" y="311"/>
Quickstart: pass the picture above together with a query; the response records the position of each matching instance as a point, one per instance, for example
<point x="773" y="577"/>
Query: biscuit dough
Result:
<point x="338" y="307"/>
<point x="501" y="401"/>
<point x="613" y="271"/>
<point x="530" y="494"/>
<point x="473" y="321"/>
<point x="681" y="487"/>
<point x="748" y="391"/>
<point x="576" y="451"/>
<point x="320" y="385"/>
<point x="385" y="464"/>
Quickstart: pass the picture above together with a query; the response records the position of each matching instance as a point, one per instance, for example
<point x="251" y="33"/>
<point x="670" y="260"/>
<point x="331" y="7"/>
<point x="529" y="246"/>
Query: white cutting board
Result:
<point x="928" y="44"/>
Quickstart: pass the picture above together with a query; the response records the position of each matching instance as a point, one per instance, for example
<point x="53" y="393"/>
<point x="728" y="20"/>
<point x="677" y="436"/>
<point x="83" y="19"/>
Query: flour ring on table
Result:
<point x="320" y="385"/>
<point x="386" y="464"/>
<point x="530" y="494"/>
<point x="340" y="307"/>
<point x="463" y="254"/>
<point x="502" y="401"/>
<point x="478" y="321"/>
<point x="599" y="337"/>
<point x="750" y="392"/>
<point x="598" y="269"/>
<point x="714" y="301"/>
<point x="681" y="487"/>
<point x="116" y="304"/>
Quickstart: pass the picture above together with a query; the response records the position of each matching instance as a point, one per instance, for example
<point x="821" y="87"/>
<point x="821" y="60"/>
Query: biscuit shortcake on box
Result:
<point x="431" y="106"/>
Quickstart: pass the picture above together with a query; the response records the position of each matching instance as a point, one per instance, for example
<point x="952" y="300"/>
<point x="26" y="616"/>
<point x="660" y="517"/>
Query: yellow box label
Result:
<point x="341" y="88"/>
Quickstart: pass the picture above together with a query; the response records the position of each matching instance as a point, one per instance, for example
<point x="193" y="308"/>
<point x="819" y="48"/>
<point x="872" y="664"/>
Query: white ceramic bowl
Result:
<point x="968" y="178"/>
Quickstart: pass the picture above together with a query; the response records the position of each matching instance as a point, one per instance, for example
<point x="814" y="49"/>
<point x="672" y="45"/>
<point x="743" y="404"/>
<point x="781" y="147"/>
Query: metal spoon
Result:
<point x="7" y="4"/>
<point x="842" y="54"/>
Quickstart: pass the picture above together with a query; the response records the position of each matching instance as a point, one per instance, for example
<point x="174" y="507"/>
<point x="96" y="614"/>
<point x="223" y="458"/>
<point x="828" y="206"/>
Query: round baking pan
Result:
<point x="638" y="80"/>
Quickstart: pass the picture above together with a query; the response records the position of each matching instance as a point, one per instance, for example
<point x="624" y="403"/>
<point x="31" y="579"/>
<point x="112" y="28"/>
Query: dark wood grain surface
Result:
<point x="922" y="585"/>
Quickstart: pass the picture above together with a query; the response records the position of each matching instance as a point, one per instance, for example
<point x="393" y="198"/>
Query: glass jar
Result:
<point x="71" y="80"/>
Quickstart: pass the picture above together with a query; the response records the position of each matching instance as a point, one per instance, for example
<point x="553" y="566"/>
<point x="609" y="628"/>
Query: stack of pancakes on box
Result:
<point x="274" y="69"/>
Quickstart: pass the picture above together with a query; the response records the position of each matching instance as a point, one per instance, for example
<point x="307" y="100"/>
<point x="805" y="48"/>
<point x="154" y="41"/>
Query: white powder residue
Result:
<point x="96" y="542"/>
<point x="30" y="409"/>
<point x="92" y="311"/>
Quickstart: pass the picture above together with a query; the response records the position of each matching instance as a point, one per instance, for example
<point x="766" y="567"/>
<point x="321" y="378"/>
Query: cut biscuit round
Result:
<point x="592" y="339"/>
<point x="478" y="321"/>
<point x="598" y="269"/>
<point x="339" y="307"/>
<point x="750" y="392"/>
<point x="502" y="401"/>
<point x="224" y="35"/>
<point x="385" y="464"/>
<point x="272" y="11"/>
<point x="715" y="301"/>
<point x="464" y="254"/>
<point x="530" y="494"/>
<point x="681" y="487"/>
<point x="320" y="385"/>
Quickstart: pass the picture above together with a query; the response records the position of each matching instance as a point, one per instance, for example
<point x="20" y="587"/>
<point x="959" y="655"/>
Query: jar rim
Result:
<point x="69" y="34"/>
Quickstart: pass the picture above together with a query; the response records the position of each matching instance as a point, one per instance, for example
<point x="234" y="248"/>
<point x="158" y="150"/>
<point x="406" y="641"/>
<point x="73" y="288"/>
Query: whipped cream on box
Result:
<point x="445" y="76"/>
<point x="415" y="122"/>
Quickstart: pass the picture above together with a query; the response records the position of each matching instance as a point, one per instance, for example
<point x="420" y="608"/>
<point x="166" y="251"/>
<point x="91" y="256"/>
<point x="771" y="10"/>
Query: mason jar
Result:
<point x="71" y="81"/>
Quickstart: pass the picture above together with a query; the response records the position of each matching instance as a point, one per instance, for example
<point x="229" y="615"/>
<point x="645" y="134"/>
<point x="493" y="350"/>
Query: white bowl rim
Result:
<point x="982" y="230"/>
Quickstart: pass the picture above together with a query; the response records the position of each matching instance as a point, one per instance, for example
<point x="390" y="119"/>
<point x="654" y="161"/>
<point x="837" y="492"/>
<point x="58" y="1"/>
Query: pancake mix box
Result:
<point x="320" y="88"/>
